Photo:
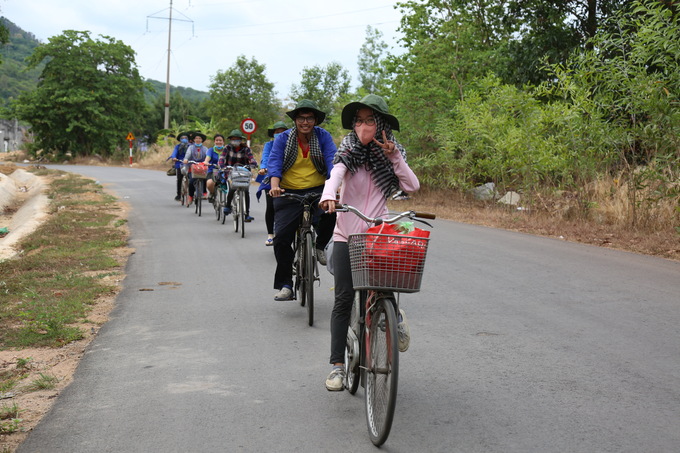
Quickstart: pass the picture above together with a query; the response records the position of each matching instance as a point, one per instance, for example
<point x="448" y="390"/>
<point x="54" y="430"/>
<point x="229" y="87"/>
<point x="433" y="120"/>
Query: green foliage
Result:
<point x="373" y="77"/>
<point x="242" y="91"/>
<point x="506" y="135"/>
<point x="14" y="77"/>
<point x="88" y="96"/>
<point x="325" y="86"/>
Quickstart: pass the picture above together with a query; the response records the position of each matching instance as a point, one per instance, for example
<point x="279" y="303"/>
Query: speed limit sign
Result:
<point x="248" y="126"/>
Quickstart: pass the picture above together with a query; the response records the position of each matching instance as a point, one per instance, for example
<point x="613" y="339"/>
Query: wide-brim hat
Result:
<point x="236" y="133"/>
<point x="306" y="104"/>
<point x="181" y="134"/>
<point x="277" y="125"/>
<point x="193" y="135"/>
<point x="373" y="102"/>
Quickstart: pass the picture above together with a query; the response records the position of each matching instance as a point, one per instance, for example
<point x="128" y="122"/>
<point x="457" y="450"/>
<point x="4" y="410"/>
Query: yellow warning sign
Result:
<point x="130" y="136"/>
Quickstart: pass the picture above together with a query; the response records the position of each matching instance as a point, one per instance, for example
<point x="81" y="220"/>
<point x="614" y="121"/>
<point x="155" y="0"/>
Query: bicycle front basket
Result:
<point x="199" y="171"/>
<point x="239" y="179"/>
<point x="387" y="262"/>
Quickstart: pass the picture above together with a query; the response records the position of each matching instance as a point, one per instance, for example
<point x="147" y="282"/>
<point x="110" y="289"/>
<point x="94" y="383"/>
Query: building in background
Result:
<point x="12" y="136"/>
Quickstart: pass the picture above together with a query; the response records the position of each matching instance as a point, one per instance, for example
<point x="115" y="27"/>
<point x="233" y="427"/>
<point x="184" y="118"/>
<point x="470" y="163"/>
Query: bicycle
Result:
<point x="239" y="180"/>
<point x="219" y="199"/>
<point x="305" y="267"/>
<point x="199" y="173"/>
<point x="372" y="353"/>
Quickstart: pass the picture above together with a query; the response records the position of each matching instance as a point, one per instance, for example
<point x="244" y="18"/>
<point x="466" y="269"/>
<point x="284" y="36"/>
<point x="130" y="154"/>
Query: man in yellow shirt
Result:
<point x="300" y="162"/>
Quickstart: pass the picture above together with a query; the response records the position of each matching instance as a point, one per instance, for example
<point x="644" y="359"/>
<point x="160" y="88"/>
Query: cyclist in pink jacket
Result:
<point x="368" y="168"/>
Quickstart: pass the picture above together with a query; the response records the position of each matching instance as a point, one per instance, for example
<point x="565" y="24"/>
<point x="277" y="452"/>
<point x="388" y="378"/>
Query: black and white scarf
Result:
<point x="290" y="152"/>
<point x="354" y="154"/>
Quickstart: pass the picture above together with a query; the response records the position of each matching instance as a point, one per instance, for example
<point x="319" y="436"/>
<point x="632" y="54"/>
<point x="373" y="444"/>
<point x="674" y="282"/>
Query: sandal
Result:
<point x="269" y="242"/>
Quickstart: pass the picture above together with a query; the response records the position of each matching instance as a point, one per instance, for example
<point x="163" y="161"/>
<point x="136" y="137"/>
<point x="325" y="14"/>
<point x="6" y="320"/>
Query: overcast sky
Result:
<point x="208" y="35"/>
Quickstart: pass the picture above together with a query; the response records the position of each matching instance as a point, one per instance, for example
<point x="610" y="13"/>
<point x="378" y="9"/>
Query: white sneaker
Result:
<point x="321" y="256"/>
<point x="284" y="293"/>
<point x="335" y="380"/>
<point x="403" y="332"/>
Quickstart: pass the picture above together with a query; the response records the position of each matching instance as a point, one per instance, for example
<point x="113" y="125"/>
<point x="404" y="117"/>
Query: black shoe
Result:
<point x="177" y="198"/>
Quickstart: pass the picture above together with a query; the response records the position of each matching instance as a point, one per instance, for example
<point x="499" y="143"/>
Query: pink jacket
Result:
<point x="360" y="191"/>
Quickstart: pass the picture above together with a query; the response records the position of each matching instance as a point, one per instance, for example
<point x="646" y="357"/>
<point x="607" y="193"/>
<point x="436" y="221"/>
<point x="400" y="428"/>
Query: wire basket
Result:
<point x="239" y="179"/>
<point x="387" y="262"/>
<point x="199" y="171"/>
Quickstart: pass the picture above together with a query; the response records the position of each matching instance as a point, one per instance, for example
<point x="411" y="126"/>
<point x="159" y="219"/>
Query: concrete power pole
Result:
<point x="166" y="123"/>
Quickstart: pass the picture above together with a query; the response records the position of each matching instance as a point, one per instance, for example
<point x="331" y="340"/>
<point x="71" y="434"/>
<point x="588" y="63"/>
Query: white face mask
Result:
<point x="235" y="142"/>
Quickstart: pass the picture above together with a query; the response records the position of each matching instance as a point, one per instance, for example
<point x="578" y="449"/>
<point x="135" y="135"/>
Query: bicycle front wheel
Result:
<point x="235" y="210"/>
<point x="242" y="216"/>
<point x="382" y="370"/>
<point x="308" y="276"/>
<point x="353" y="348"/>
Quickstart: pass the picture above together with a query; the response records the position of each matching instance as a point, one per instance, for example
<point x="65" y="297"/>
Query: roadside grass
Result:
<point x="50" y="286"/>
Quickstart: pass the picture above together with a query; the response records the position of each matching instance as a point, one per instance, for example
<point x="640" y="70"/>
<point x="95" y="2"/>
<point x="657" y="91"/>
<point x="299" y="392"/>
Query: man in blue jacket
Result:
<point x="300" y="162"/>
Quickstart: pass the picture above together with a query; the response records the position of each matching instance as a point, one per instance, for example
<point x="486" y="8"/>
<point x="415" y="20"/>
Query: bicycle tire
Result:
<point x="353" y="347"/>
<point x="382" y="370"/>
<point x="223" y="204"/>
<point x="234" y="211"/>
<point x="298" y="263"/>
<point x="216" y="204"/>
<point x="242" y="216"/>
<point x="308" y="276"/>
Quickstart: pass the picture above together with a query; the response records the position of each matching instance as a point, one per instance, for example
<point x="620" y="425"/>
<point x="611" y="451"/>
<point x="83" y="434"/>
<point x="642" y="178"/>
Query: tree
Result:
<point x="372" y="71"/>
<point x="325" y="86"/>
<point x="88" y="96"/>
<point x="242" y="91"/>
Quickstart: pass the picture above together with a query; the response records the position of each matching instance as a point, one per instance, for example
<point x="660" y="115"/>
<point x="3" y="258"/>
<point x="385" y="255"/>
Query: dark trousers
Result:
<point x="344" y="297"/>
<point x="180" y="176"/>
<point x="192" y="189"/>
<point x="287" y="218"/>
<point x="269" y="212"/>
<point x="230" y="197"/>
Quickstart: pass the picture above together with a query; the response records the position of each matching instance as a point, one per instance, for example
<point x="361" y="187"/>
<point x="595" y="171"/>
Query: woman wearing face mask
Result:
<point x="274" y="132"/>
<point x="211" y="159"/>
<point x="196" y="152"/>
<point x="370" y="165"/>
<point x="177" y="157"/>
<point x="237" y="153"/>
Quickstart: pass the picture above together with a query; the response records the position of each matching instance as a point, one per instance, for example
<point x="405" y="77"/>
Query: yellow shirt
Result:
<point x="303" y="174"/>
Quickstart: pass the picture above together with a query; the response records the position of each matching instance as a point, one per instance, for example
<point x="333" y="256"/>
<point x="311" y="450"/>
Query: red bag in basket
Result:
<point x="402" y="252"/>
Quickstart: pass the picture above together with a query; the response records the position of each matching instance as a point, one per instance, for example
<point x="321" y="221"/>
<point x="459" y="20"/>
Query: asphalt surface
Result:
<point x="519" y="344"/>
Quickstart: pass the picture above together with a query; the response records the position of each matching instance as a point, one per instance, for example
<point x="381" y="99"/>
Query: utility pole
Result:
<point x="166" y="122"/>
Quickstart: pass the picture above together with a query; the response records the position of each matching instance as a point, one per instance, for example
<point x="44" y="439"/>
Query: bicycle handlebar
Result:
<point x="413" y="215"/>
<point x="307" y="198"/>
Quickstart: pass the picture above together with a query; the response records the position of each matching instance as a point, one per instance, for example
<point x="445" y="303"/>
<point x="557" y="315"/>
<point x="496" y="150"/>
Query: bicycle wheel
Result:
<point x="223" y="204"/>
<point x="234" y="211"/>
<point x="353" y="348"/>
<point x="382" y="370"/>
<point x="184" y="190"/>
<point x="242" y="214"/>
<point x="308" y="276"/>
<point x="216" y="203"/>
<point x="298" y="263"/>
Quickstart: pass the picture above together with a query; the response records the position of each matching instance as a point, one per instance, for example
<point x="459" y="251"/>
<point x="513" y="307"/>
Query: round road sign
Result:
<point x="248" y="126"/>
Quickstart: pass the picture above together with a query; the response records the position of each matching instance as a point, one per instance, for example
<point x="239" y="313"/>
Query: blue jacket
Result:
<point x="214" y="156"/>
<point x="265" y="158"/>
<point x="275" y="160"/>
<point x="179" y="152"/>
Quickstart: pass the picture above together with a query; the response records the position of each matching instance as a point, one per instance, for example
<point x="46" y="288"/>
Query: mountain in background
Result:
<point x="14" y="79"/>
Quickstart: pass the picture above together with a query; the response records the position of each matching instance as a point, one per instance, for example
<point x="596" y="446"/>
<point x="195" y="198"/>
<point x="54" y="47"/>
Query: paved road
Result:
<point x="520" y="344"/>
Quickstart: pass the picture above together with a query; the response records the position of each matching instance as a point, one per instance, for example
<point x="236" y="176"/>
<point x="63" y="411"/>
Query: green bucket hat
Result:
<point x="277" y="125"/>
<point x="237" y="133"/>
<point x="195" y="134"/>
<point x="373" y="102"/>
<point x="306" y="104"/>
